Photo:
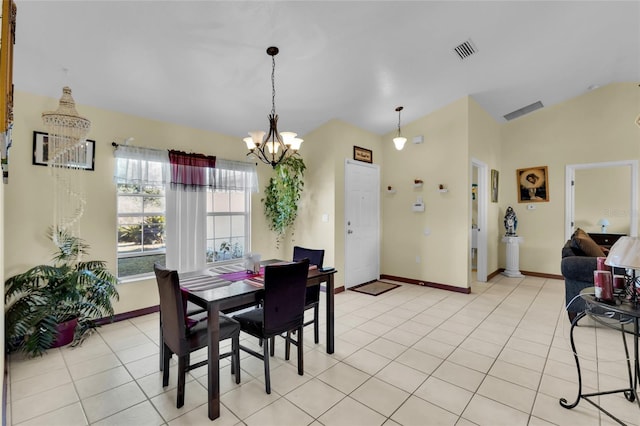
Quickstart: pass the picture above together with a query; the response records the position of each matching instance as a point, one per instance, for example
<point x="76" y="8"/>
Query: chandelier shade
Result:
<point x="67" y="151"/>
<point x="272" y="147"/>
<point x="399" y="140"/>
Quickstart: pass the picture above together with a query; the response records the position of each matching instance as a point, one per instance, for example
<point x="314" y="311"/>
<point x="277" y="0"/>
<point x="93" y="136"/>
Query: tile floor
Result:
<point x="412" y="356"/>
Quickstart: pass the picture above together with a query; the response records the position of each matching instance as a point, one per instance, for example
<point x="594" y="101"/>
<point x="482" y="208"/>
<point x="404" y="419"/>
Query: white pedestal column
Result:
<point x="513" y="257"/>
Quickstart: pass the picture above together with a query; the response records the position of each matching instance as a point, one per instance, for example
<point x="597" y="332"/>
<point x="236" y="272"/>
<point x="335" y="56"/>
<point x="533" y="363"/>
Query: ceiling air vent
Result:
<point x="524" y="110"/>
<point x="465" y="49"/>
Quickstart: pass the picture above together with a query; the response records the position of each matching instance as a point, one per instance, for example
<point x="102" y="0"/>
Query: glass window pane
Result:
<point x="237" y="201"/>
<point x="220" y="202"/>
<point x="222" y="226"/>
<point x="237" y="228"/>
<point x="129" y="204"/>
<point x="210" y="229"/>
<point x="153" y="205"/>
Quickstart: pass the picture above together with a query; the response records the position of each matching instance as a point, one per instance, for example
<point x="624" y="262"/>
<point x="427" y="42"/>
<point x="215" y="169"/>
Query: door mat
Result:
<point x="375" y="288"/>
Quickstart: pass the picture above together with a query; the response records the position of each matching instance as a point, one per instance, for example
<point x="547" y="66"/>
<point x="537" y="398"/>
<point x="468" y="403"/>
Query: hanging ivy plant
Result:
<point x="283" y="194"/>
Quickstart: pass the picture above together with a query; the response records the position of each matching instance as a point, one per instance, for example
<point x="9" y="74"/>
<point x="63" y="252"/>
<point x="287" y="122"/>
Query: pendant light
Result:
<point x="276" y="146"/>
<point x="399" y="140"/>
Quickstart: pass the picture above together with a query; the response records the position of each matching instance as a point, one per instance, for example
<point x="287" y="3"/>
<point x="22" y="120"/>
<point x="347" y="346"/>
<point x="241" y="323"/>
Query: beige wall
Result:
<point x="595" y="127"/>
<point x="329" y="145"/>
<point x="484" y="145"/>
<point x="28" y="194"/>
<point x="443" y="158"/>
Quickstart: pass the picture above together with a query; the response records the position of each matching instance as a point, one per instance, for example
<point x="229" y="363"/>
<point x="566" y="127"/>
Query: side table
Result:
<point x="623" y="317"/>
<point x="513" y="256"/>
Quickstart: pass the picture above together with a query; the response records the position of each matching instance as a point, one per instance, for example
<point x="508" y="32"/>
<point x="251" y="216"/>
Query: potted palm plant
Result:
<point x="44" y="304"/>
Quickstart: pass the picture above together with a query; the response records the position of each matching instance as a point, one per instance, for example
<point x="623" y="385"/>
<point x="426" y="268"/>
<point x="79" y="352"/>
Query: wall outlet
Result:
<point x="417" y="259"/>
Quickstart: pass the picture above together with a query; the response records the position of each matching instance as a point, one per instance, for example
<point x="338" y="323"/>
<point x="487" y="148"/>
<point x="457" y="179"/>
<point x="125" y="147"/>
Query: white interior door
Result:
<point x="482" y="171"/>
<point x="362" y="223"/>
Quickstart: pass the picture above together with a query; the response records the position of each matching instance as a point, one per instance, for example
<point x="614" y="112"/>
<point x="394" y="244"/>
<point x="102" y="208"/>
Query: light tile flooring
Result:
<point x="412" y="356"/>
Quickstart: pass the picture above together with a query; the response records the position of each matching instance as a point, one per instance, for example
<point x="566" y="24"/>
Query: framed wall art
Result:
<point x="494" y="185"/>
<point x="362" y="154"/>
<point x="41" y="152"/>
<point x="533" y="184"/>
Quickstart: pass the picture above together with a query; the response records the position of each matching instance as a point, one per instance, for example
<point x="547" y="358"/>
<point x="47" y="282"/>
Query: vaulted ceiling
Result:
<point x="203" y="63"/>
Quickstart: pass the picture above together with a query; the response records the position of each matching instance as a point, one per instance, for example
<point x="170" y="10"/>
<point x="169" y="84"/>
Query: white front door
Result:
<point x="362" y="223"/>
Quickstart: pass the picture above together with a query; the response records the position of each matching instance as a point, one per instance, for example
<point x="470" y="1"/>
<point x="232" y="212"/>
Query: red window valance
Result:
<point x="191" y="171"/>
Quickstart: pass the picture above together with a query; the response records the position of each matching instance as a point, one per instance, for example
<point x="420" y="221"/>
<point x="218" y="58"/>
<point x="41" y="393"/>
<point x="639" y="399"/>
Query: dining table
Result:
<point x="218" y="292"/>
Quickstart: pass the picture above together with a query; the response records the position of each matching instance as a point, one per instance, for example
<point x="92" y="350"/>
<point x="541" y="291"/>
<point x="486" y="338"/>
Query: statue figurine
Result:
<point x="510" y="222"/>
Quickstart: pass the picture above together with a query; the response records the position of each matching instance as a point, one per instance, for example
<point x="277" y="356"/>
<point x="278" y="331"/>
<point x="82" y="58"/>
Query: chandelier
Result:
<point x="275" y="146"/>
<point x="399" y="140"/>
<point x="67" y="151"/>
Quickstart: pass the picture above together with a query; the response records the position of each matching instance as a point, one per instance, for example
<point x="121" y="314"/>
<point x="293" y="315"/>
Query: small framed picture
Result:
<point x="494" y="185"/>
<point x="362" y="154"/>
<point x="85" y="153"/>
<point x="533" y="184"/>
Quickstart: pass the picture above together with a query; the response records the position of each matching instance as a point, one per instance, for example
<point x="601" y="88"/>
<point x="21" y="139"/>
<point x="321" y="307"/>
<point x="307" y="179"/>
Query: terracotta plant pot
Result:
<point x="66" y="330"/>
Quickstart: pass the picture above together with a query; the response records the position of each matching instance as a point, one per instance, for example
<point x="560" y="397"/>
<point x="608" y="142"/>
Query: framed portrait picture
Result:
<point x="533" y="184"/>
<point x="41" y="152"/>
<point x="494" y="185"/>
<point x="362" y="154"/>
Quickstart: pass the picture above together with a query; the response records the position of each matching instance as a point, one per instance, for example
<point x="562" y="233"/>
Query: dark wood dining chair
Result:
<point x="312" y="299"/>
<point x="182" y="335"/>
<point x="281" y="310"/>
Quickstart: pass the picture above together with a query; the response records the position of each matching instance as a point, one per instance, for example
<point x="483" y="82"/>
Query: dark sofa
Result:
<point x="577" y="269"/>
<point x="579" y="260"/>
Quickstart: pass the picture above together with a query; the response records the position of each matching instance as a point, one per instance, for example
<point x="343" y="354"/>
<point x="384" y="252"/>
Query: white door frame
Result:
<point x="483" y="193"/>
<point x="569" y="190"/>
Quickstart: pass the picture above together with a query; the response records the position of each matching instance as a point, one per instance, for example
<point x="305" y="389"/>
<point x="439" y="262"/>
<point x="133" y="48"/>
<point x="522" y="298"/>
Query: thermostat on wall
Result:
<point x="418" y="206"/>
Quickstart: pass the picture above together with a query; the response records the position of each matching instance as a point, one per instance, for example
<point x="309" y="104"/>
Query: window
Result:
<point x="228" y="219"/>
<point x="178" y="225"/>
<point x="141" y="228"/>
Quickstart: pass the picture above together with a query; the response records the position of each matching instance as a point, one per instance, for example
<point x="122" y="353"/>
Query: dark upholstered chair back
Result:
<point x="316" y="257"/>
<point x="285" y="287"/>
<point x="171" y="309"/>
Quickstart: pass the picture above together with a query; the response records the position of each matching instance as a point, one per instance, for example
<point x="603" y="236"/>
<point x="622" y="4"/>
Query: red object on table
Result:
<point x="604" y="285"/>
<point x="600" y="264"/>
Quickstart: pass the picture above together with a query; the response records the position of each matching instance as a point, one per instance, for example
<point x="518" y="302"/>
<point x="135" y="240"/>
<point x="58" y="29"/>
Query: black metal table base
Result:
<point x="630" y="393"/>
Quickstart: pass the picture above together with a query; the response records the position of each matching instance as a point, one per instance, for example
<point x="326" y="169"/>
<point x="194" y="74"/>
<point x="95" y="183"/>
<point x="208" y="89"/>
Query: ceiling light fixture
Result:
<point x="67" y="150"/>
<point x="399" y="140"/>
<point x="276" y="146"/>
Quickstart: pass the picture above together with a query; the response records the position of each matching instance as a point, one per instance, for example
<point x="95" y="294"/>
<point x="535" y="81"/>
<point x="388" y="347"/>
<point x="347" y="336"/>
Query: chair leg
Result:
<point x="287" y="349"/>
<point x="273" y="346"/>
<point x="235" y="358"/>
<point x="182" y="372"/>
<point x="166" y="357"/>
<point x="316" y="328"/>
<point x="300" y="352"/>
<point x="267" y="378"/>
<point x="161" y="354"/>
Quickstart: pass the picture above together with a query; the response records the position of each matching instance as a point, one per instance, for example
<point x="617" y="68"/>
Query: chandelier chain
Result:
<point x="273" y="85"/>
<point x="399" y="112"/>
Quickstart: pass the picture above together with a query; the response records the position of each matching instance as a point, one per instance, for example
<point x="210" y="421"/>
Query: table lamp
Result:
<point x="603" y="225"/>
<point x="625" y="253"/>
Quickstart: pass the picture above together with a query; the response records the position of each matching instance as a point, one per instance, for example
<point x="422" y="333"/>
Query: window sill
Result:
<point x="136" y="278"/>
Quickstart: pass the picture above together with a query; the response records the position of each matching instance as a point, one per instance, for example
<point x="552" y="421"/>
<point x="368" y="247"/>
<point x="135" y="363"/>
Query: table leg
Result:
<point x="213" y="385"/>
<point x="330" y="314"/>
<point x="563" y="401"/>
